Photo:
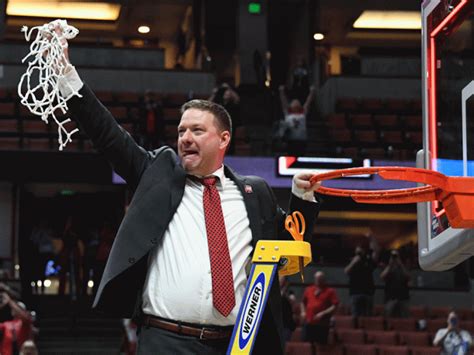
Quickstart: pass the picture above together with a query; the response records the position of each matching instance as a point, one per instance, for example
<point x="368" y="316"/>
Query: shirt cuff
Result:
<point x="70" y="83"/>
<point x="303" y="194"/>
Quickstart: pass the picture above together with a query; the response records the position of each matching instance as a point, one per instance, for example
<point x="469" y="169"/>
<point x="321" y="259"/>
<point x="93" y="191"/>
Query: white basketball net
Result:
<point x="38" y="88"/>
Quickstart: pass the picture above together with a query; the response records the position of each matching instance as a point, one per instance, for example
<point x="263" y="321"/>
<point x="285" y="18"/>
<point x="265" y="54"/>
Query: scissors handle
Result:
<point x="292" y="225"/>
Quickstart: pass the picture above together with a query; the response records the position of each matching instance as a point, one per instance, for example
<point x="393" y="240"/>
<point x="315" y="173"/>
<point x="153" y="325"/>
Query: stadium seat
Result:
<point x="424" y="350"/>
<point x="382" y="337"/>
<point x="371" y="323"/>
<point x="392" y="137"/>
<point x="361" y="121"/>
<point x="328" y="349"/>
<point x="366" y="136"/>
<point x="7" y="143"/>
<point x="361" y="349"/>
<point x="413" y="122"/>
<point x="351" y="336"/>
<point x="347" y="104"/>
<point x="387" y="121"/>
<point x="393" y="350"/>
<point x="7" y="109"/>
<point x="298" y="348"/>
<point x="8" y="125"/>
<point x="401" y="324"/>
<point x="398" y="105"/>
<point x="372" y="105"/>
<point x="35" y="125"/>
<point x="336" y="120"/>
<point x="418" y="312"/>
<point x="414" y="338"/>
<point x="343" y="322"/>
<point x="464" y="313"/>
<point x="440" y="312"/>
<point x="341" y="135"/>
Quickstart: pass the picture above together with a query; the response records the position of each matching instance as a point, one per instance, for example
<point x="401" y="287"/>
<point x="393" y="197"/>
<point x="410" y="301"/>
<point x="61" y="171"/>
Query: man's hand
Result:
<point x="63" y="41"/>
<point x="303" y="188"/>
<point x="302" y="181"/>
<point x="318" y="316"/>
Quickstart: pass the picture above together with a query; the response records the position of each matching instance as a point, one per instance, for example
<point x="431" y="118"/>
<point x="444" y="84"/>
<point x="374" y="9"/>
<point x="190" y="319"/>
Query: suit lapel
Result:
<point x="177" y="187"/>
<point x="250" y="201"/>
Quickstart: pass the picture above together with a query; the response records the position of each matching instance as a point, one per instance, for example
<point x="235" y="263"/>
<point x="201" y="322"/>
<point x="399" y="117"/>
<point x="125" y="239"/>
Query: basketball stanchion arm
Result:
<point x="270" y="256"/>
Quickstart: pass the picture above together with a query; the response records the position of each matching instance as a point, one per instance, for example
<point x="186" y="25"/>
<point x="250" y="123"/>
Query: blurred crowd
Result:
<point x="74" y="256"/>
<point x="17" y="330"/>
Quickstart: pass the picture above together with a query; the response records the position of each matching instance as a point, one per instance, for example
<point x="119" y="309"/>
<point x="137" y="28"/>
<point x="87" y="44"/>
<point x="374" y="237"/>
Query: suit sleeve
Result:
<point x="127" y="158"/>
<point x="309" y="210"/>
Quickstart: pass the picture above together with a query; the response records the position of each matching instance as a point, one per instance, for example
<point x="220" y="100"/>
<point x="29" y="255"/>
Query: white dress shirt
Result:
<point x="179" y="284"/>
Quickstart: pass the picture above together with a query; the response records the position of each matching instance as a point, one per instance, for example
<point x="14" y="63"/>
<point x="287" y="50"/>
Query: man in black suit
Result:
<point x="159" y="268"/>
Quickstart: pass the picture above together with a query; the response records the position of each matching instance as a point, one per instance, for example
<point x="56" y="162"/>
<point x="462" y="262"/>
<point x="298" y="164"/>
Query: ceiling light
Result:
<point x="318" y="36"/>
<point x="392" y="20"/>
<point x="61" y="9"/>
<point x="143" y="29"/>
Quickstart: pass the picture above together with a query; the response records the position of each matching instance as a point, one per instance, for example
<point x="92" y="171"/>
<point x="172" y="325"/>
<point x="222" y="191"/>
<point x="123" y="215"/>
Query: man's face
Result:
<point x="319" y="279"/>
<point x="453" y="319"/>
<point x="201" y="144"/>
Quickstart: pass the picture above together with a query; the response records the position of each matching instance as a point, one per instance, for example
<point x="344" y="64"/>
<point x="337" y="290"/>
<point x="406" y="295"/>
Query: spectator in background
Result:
<point x="154" y="123"/>
<point x="293" y="127"/>
<point x="226" y="96"/>
<point x="28" y="348"/>
<point x="16" y="331"/>
<point x="453" y="340"/>
<point x="396" y="278"/>
<point x="319" y="303"/>
<point x="5" y="311"/>
<point x="70" y="260"/>
<point x="300" y="81"/>
<point x="361" y="279"/>
<point x="289" y="324"/>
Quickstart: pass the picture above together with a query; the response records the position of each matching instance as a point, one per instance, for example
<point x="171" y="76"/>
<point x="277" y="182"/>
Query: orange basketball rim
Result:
<point x="456" y="193"/>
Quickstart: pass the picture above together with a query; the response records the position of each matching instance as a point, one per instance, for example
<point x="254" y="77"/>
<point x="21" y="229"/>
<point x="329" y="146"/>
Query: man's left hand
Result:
<point x="302" y="181"/>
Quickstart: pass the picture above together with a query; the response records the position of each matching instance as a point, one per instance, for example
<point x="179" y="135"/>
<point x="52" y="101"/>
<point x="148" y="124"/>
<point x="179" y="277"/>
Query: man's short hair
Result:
<point x="220" y="113"/>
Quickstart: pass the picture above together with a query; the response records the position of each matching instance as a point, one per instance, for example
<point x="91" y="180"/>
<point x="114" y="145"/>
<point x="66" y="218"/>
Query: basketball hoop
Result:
<point x="456" y="193"/>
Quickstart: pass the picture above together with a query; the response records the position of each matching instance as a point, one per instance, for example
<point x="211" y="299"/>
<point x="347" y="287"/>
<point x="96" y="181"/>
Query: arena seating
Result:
<point x="374" y="128"/>
<point x="379" y="335"/>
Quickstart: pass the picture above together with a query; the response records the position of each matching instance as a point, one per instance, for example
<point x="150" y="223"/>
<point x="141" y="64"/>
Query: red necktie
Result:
<point x="221" y="267"/>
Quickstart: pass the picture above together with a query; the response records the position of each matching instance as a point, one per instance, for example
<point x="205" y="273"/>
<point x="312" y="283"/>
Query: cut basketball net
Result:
<point x="456" y="193"/>
<point x="39" y="85"/>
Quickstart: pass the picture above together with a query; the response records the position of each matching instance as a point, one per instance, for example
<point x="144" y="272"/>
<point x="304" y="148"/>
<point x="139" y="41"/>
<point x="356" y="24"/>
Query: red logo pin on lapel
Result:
<point x="248" y="189"/>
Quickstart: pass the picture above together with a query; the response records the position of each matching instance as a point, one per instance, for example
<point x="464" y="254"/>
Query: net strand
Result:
<point x="38" y="88"/>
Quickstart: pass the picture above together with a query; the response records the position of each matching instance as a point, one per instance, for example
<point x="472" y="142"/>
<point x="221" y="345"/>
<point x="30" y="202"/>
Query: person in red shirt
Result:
<point x="319" y="303"/>
<point x="16" y="331"/>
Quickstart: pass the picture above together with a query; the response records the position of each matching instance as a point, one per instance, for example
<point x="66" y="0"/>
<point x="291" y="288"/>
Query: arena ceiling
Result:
<point x="164" y="17"/>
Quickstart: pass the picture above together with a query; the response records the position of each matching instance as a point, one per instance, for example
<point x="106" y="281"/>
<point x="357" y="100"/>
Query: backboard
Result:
<point x="448" y="123"/>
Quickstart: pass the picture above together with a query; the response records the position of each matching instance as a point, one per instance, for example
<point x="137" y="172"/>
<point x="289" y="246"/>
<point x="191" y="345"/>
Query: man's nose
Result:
<point x="186" y="136"/>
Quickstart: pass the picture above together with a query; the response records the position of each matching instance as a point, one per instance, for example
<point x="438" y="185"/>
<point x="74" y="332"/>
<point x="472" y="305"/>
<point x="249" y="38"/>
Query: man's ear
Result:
<point x="225" y="140"/>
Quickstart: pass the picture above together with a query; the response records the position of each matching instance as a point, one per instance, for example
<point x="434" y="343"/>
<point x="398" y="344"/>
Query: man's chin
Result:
<point x="190" y="167"/>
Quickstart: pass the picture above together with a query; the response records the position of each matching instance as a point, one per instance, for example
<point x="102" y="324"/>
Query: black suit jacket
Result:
<point x="158" y="181"/>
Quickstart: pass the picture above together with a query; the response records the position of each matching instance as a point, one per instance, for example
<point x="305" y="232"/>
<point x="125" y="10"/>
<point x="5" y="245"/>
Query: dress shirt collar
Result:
<point x="219" y="173"/>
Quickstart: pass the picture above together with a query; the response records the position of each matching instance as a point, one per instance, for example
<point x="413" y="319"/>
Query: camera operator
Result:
<point x="396" y="278"/>
<point x="453" y="339"/>
<point x="361" y="279"/>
